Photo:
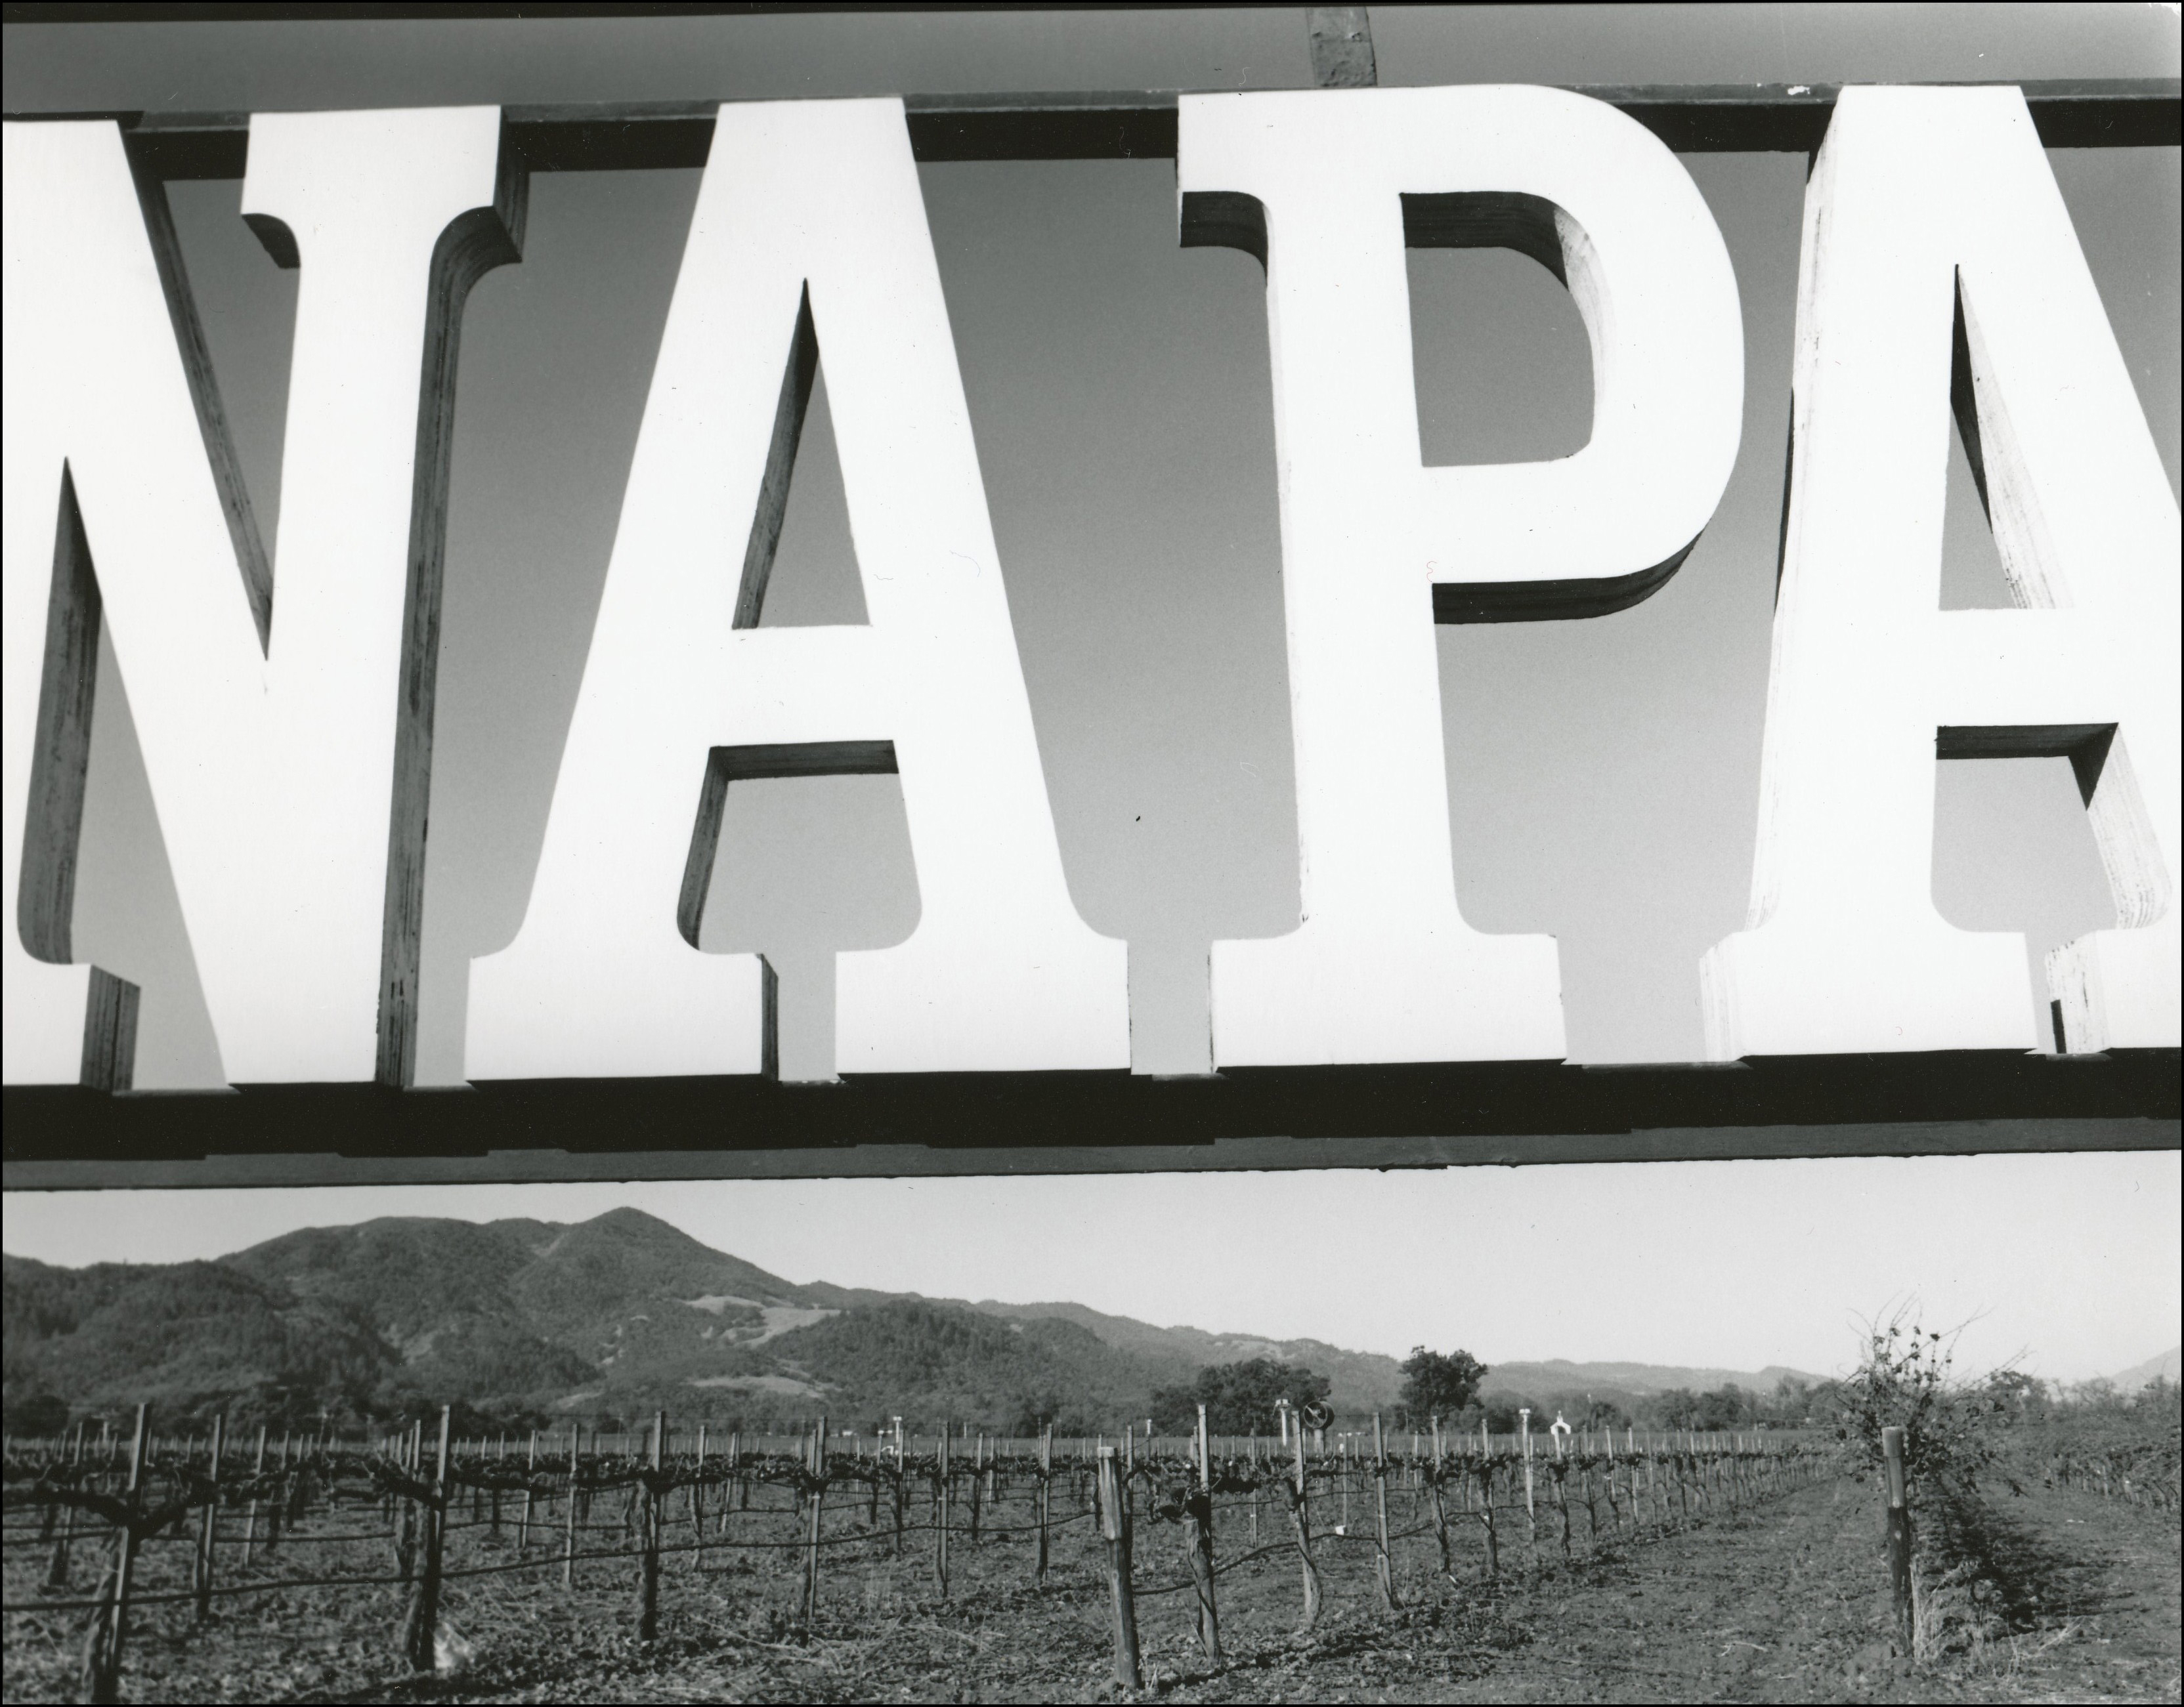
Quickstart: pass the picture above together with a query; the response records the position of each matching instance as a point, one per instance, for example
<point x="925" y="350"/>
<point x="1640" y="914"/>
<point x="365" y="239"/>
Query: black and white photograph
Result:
<point x="1087" y="854"/>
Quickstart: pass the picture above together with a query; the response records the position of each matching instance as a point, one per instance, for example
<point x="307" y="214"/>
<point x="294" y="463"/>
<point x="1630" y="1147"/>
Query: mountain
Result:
<point x="185" y="1335"/>
<point x="1364" y="1381"/>
<point x="1640" y="1380"/>
<point x="620" y="1315"/>
<point x="2168" y="1367"/>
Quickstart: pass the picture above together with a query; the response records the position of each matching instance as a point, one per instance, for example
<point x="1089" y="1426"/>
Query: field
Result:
<point x="1699" y="1570"/>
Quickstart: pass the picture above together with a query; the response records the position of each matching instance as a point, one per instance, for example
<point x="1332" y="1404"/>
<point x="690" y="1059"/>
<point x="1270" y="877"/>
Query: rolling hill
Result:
<point x="618" y="1315"/>
<point x="2168" y="1367"/>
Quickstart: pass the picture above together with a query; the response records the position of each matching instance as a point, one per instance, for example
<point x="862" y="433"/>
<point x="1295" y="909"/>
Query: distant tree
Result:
<point x="1789" y="1405"/>
<point x="1239" y="1397"/>
<point x="1505" y="1412"/>
<point x="1676" y="1408"/>
<point x="1725" y="1407"/>
<point x="1436" y="1384"/>
<point x="1032" y="1412"/>
<point x="41" y="1414"/>
<point x="1602" y="1412"/>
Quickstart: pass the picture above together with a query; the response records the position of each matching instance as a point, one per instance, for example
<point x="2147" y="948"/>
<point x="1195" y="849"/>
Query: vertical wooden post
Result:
<point x="978" y="1484"/>
<point x="250" y="1520"/>
<point x="818" y="1497"/>
<point x="940" y="1532"/>
<point x="1301" y="1519"/>
<point x="1046" y="1490"/>
<point x="109" y="1621"/>
<point x="648" y="1590"/>
<point x="57" y="1567"/>
<point x="1484" y="1474"/>
<point x="901" y="1486"/>
<point x="406" y="1515"/>
<point x="1383" y="1567"/>
<point x="209" y="1526"/>
<point x="1439" y="1507"/>
<point x="523" y="1518"/>
<point x="1198" y="1542"/>
<point x="1115" y="1529"/>
<point x="277" y="1511"/>
<point x="569" y="1516"/>
<point x="424" y="1624"/>
<point x="698" y="1506"/>
<point x="1899" y="1537"/>
<point x="1532" y="1514"/>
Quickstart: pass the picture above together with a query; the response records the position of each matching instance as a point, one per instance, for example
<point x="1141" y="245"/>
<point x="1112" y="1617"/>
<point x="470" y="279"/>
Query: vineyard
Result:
<point x="128" y="1559"/>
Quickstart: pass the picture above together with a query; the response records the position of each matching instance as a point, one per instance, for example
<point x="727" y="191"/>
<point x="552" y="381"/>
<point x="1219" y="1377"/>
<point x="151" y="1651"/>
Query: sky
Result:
<point x="2068" y="1261"/>
<point x="1603" y="775"/>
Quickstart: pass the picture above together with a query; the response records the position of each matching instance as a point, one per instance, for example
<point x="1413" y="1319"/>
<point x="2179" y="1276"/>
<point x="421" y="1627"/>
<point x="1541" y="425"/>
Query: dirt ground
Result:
<point x="2077" y="1600"/>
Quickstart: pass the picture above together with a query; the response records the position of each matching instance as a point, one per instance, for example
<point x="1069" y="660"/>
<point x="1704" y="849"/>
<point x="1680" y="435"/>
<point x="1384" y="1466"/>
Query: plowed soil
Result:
<point x="2070" y="1598"/>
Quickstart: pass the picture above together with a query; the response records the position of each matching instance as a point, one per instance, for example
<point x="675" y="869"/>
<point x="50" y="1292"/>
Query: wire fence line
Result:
<point x="684" y="1499"/>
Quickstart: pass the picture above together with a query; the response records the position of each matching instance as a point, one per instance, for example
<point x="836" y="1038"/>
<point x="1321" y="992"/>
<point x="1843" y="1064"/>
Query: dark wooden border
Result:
<point x="1374" y="1116"/>
<point x="1493" y="1111"/>
<point x="1778" y="118"/>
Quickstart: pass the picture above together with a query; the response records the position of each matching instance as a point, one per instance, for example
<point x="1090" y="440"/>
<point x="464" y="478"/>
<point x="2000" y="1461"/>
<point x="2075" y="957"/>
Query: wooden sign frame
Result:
<point x="1309" y="1117"/>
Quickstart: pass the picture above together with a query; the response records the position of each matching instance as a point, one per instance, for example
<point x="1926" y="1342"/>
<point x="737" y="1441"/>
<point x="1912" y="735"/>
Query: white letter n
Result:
<point x="287" y="741"/>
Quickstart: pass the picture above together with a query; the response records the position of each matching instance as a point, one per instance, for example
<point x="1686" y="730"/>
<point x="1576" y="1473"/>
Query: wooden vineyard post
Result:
<point x="901" y="1487"/>
<point x="1560" y="1470"/>
<point x="405" y="1534"/>
<point x="424" y="1607"/>
<point x="941" y="1531"/>
<point x="818" y="1467"/>
<point x="977" y="1485"/>
<point x="1531" y="1513"/>
<point x="648" y="1590"/>
<point x="523" y="1518"/>
<point x="209" y="1526"/>
<point x="1198" y="1541"/>
<point x="698" y="1506"/>
<point x="1484" y="1474"/>
<point x="1258" y="1492"/>
<point x="57" y="1567"/>
<point x="257" y="1475"/>
<point x="1383" y="1567"/>
<point x="1114" y="1529"/>
<point x="1046" y="1490"/>
<point x="109" y="1619"/>
<point x="276" y="1510"/>
<point x="569" y="1515"/>
<point x="1440" y="1509"/>
<point x="1300" y="1518"/>
<point x="1899" y="1536"/>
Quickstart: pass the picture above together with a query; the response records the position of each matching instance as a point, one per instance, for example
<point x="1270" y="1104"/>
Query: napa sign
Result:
<point x="286" y="733"/>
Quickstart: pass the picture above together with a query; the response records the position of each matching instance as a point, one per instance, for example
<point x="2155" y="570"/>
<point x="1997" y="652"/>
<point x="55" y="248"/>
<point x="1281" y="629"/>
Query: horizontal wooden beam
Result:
<point x="910" y="1161"/>
<point x="1497" y="1112"/>
<point x="629" y="137"/>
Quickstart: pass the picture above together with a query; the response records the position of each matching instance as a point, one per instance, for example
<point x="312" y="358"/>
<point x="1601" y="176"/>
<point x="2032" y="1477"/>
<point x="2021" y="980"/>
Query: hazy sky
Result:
<point x="1603" y="775"/>
<point x="2072" y="1259"/>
